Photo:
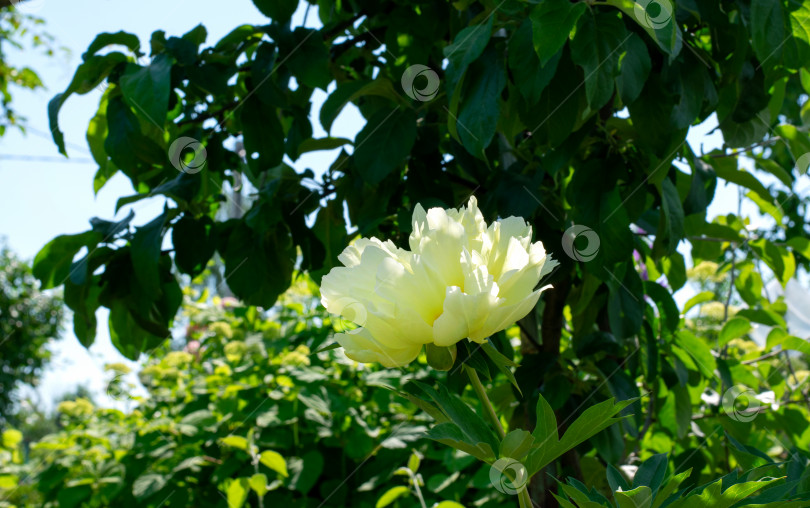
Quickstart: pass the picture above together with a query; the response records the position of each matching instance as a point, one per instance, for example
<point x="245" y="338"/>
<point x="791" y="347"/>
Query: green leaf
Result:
<point x="651" y="473"/>
<point x="616" y="479"/>
<point x="235" y="442"/>
<point x="516" y="444"/>
<point x="800" y="245"/>
<point x="592" y="421"/>
<point x="307" y="57"/>
<point x="749" y="284"/>
<point x="699" y="351"/>
<point x="194" y="242"/>
<point x="127" y="335"/>
<point x="52" y="264"/>
<point x="105" y="39"/>
<point x="314" y="145"/>
<point x="479" y="111"/>
<point x="800" y="30"/>
<point x="734" y="328"/>
<point x="413" y="462"/>
<point x="603" y="211"/>
<point x="778" y="259"/>
<point x="82" y="299"/>
<point x="667" y="308"/>
<point x="767" y="28"/>
<point x="660" y="24"/>
<point x="237" y="491"/>
<point x="148" y="484"/>
<point x="451" y="435"/>
<point x="279" y="11"/>
<point x="469" y="427"/>
<point x="730" y="173"/>
<point x="670" y="487"/>
<point x="383" y="143"/>
<point x="263" y="135"/>
<point x="391" y="495"/>
<point x="703" y="297"/>
<point x="795" y="344"/>
<point x="258" y="263"/>
<point x="596" y="48"/>
<point x="274" y="461"/>
<point x="147" y="89"/>
<point x="503" y="363"/>
<point x="305" y="471"/>
<point x="145" y="249"/>
<point x="552" y="22"/>
<point x="87" y="77"/>
<point x="634" y="65"/>
<point x="714" y="496"/>
<point x="258" y="483"/>
<point x="330" y="230"/>
<point x="530" y="76"/>
<point x="337" y="100"/>
<point x="673" y="217"/>
<point x="467" y="46"/>
<point x="639" y="497"/>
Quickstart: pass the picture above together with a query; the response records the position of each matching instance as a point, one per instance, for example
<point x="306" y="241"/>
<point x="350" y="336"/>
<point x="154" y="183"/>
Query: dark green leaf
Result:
<point x="596" y="48"/>
<point x="480" y="108"/>
<point x="383" y="143"/>
<point x="52" y="264"/>
<point x="552" y="22"/>
<point x="278" y="10"/>
<point x="146" y="89"/>
<point x="194" y="243"/>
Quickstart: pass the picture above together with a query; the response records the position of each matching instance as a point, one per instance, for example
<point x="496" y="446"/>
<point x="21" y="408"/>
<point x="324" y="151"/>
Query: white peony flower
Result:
<point x="461" y="279"/>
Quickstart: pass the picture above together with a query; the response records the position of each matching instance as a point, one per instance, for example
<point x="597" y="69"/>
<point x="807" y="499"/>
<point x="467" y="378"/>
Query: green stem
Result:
<point x="524" y="498"/>
<point x="482" y="396"/>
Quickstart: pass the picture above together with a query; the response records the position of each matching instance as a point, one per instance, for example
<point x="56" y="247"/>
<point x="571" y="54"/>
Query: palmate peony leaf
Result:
<point x="548" y="445"/>
<point x="458" y="425"/>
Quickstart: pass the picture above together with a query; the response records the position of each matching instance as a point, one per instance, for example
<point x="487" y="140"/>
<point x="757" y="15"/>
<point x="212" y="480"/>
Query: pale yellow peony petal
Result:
<point x="461" y="279"/>
<point x="463" y="315"/>
<point x="362" y="347"/>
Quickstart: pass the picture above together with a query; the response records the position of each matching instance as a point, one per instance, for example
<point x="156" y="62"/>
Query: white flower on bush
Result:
<point x="460" y="279"/>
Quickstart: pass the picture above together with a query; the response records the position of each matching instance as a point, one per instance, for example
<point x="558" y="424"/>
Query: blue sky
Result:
<point x="46" y="195"/>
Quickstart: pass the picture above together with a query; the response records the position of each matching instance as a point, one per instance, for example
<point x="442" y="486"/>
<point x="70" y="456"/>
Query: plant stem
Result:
<point x="524" y="499"/>
<point x="482" y="396"/>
